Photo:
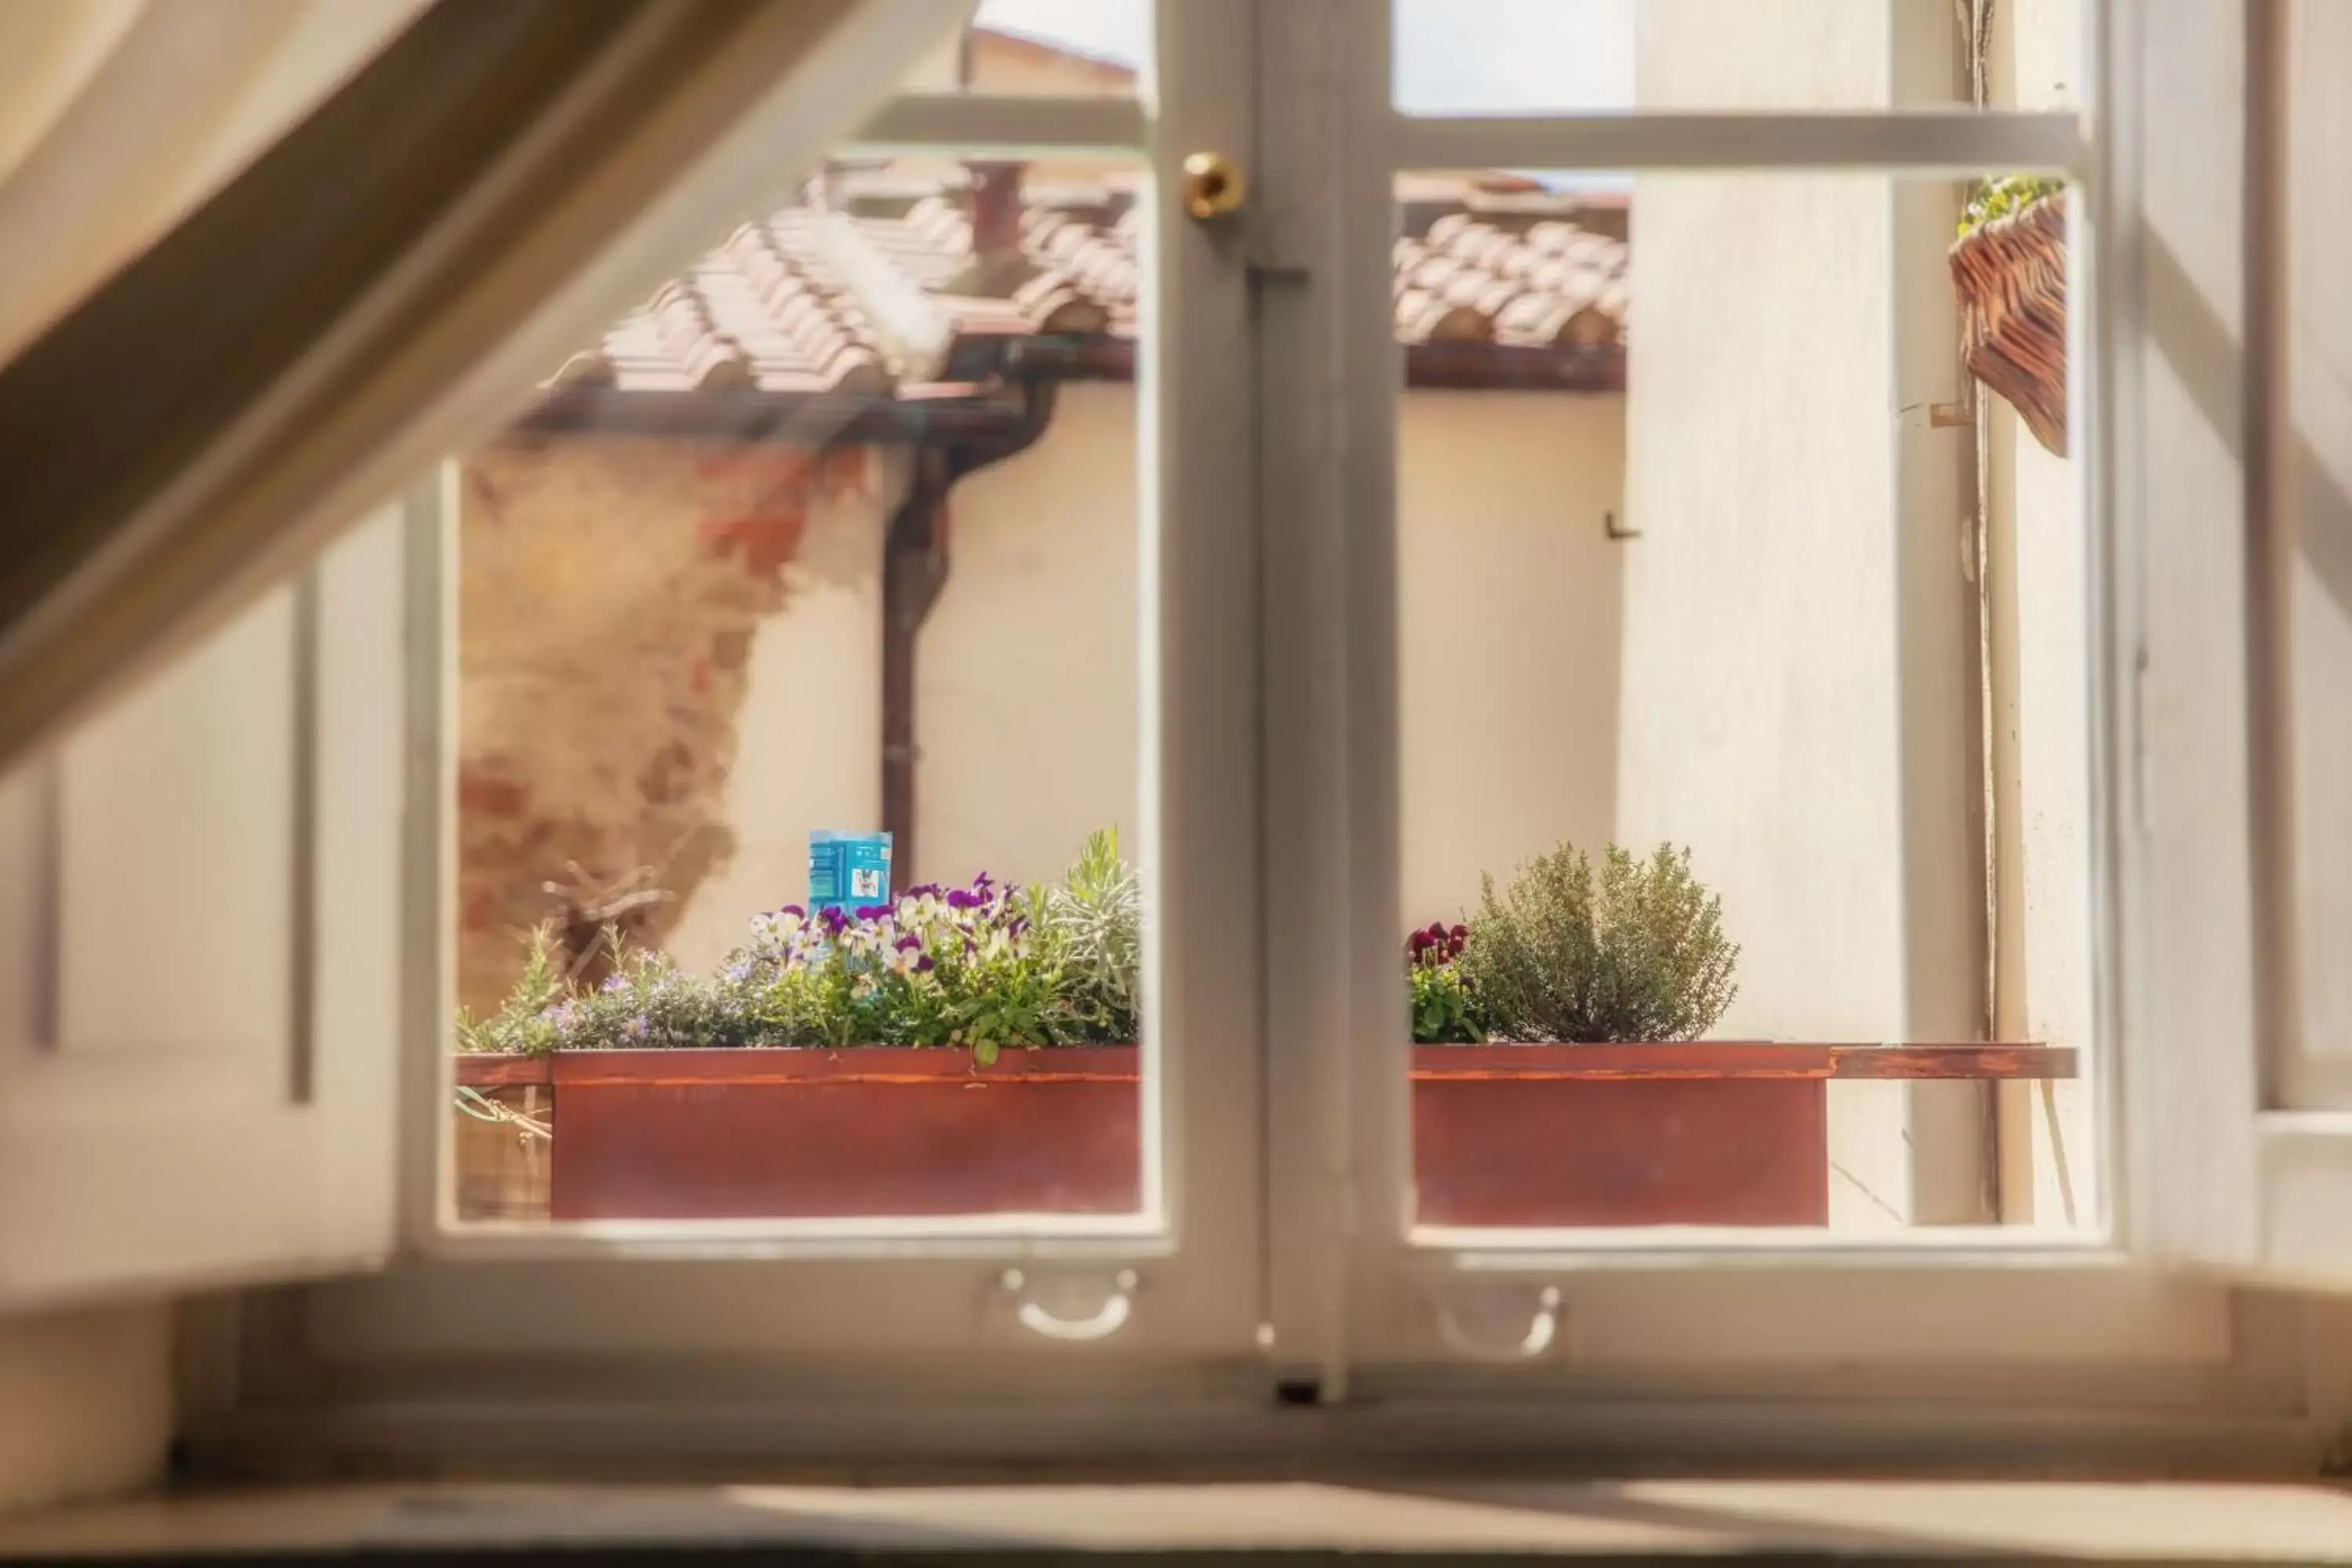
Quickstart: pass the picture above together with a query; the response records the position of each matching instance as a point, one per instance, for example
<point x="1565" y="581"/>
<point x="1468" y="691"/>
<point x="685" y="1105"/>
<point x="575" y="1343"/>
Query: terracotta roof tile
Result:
<point x="865" y="288"/>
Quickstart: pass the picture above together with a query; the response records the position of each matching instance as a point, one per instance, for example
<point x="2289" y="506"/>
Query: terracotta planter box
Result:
<point x="1702" y="1133"/>
<point x="876" y="1129"/>
<point x="1543" y="1135"/>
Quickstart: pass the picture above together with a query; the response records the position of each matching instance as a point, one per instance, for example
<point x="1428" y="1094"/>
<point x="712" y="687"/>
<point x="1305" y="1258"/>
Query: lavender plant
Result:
<point x="1093" y="926"/>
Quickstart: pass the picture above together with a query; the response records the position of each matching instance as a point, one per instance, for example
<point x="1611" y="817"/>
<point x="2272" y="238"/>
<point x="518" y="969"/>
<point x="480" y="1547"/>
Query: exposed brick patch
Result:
<point x="729" y="649"/>
<point x="479" y="790"/>
<point x="668" y="776"/>
<point x="609" y="592"/>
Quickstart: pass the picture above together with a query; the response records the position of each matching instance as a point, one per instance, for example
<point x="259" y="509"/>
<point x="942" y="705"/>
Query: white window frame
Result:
<point x="832" y="1339"/>
<point x="2241" y="1148"/>
<point x="1375" y="1302"/>
<point x="942" y="1283"/>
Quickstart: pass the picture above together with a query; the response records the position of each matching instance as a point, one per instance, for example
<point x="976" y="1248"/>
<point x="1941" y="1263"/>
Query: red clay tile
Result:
<point x="851" y="290"/>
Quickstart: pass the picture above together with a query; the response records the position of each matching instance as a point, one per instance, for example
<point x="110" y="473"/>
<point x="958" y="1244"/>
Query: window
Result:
<point x="1639" y="615"/>
<point x="1291" y="736"/>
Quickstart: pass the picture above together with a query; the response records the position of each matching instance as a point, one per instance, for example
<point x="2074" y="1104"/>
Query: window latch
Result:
<point x="1542" y="1329"/>
<point x="1106" y="1319"/>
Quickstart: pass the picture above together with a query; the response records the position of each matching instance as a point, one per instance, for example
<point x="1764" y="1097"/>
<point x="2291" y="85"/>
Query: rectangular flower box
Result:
<point x="1706" y="1132"/>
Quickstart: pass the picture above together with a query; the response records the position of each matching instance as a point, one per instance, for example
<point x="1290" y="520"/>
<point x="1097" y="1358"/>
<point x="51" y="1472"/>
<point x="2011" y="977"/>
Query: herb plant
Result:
<point x="1093" y="925"/>
<point x="1635" y="953"/>
<point x="520" y="1023"/>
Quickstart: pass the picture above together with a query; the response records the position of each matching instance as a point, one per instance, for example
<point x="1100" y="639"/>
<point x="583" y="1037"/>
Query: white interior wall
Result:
<point x="85" y="1397"/>
<point x="85" y="1404"/>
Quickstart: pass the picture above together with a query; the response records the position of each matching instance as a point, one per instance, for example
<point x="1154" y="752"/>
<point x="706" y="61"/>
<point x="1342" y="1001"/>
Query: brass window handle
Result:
<point x="1214" y="185"/>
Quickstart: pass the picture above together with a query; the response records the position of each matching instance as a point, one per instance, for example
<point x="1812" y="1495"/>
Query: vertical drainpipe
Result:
<point x="915" y="551"/>
<point x="1951" y="1164"/>
<point x="914" y="571"/>
<point x="2009" y="1126"/>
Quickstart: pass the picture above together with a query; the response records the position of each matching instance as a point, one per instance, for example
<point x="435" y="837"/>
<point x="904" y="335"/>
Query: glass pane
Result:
<point x="1743" y="738"/>
<point x="1558" y="57"/>
<point x="1071" y="49"/>
<point x="799" y="670"/>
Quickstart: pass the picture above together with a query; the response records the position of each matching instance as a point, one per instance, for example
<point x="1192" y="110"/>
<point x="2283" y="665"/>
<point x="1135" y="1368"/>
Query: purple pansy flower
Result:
<point x="906" y="943"/>
<point x="960" y="899"/>
<point x="637" y="1027"/>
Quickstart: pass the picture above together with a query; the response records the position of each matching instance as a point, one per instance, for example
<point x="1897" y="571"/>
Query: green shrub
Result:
<point x="1636" y="953"/>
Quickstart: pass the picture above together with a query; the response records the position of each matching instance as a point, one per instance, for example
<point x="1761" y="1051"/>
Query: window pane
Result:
<point x="1697" y="558"/>
<point x="1552" y="57"/>
<point x="814" y="582"/>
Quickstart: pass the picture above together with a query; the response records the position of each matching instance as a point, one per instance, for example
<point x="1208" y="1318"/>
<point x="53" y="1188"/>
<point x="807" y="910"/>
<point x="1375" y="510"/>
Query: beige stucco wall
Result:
<point x="2034" y="495"/>
<point x="85" y="1404"/>
<point x="611" y="591"/>
<point x="1509" y="635"/>
<point x="1795" y="680"/>
<point x="1026" y="689"/>
<point x="1008" y="64"/>
<point x="2038" y="493"/>
<point x="808" y="737"/>
<point x="1026" y="696"/>
<point x="1761" y="54"/>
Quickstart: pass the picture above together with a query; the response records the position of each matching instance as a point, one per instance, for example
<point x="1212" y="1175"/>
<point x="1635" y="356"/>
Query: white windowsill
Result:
<point x="1855" y="1520"/>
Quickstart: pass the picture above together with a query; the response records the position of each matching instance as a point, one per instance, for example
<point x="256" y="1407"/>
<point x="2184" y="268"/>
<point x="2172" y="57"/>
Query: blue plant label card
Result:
<point x="848" y="870"/>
